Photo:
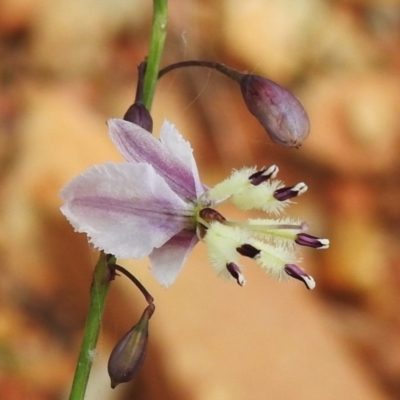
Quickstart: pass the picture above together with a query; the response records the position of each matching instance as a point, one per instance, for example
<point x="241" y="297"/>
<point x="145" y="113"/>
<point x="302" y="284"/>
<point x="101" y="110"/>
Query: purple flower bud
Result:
<point x="128" y="355"/>
<point x="278" y="111"/>
<point x="139" y="115"/>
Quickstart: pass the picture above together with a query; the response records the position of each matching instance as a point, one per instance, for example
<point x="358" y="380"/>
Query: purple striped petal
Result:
<point x="139" y="146"/>
<point x="125" y="209"/>
<point x="168" y="260"/>
<point x="175" y="143"/>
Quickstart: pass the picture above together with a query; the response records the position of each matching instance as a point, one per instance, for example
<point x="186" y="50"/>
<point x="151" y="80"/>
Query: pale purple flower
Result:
<point x="143" y="207"/>
<point x="154" y="205"/>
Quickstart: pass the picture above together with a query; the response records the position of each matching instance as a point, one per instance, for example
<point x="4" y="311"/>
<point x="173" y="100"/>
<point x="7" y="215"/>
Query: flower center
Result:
<point x="271" y="243"/>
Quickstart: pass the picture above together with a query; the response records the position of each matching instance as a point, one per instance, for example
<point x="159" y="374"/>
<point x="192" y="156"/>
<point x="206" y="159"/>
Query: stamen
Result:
<point x="304" y="239"/>
<point x="247" y="250"/>
<point x="261" y="176"/>
<point x="278" y="231"/>
<point x="235" y="272"/>
<point x="297" y="273"/>
<point x="287" y="193"/>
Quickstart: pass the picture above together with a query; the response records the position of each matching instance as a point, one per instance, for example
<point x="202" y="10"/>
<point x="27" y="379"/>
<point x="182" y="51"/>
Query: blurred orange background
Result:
<point x="66" y="67"/>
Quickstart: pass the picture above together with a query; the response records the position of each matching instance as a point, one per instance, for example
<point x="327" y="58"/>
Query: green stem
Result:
<point x="98" y="295"/>
<point x="158" y="34"/>
<point x="101" y="275"/>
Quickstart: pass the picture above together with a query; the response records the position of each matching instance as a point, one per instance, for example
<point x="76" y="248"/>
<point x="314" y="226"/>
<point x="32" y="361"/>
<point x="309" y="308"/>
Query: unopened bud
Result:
<point x="277" y="109"/>
<point x="139" y="115"/>
<point x="128" y="355"/>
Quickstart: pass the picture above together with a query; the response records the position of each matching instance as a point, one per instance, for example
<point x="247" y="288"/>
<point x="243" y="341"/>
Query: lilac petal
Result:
<point x="139" y="146"/>
<point x="167" y="261"/>
<point x="174" y="141"/>
<point x="125" y="209"/>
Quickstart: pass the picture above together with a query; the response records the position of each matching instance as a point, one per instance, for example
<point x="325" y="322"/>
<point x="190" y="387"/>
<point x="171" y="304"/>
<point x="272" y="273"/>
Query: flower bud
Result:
<point x="139" y="115"/>
<point x="128" y="355"/>
<point x="278" y="111"/>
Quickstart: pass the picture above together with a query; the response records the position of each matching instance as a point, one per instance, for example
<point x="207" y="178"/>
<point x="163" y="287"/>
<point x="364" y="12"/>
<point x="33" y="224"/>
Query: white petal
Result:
<point x="125" y="209"/>
<point x="174" y="141"/>
<point x="139" y="146"/>
<point x="168" y="260"/>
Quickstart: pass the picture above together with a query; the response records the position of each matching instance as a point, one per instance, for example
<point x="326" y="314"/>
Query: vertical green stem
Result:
<point x="101" y="275"/>
<point x="98" y="295"/>
<point x="158" y="34"/>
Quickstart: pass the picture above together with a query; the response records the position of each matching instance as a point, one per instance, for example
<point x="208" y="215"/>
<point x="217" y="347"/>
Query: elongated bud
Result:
<point x="277" y="109"/>
<point x="139" y="115"/>
<point x="128" y="355"/>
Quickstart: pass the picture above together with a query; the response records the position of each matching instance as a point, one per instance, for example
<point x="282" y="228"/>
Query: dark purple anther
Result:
<point x="304" y="239"/>
<point x="247" y="250"/>
<point x="235" y="272"/>
<point x="287" y="193"/>
<point x="261" y="176"/>
<point x="297" y="273"/>
<point x="277" y="109"/>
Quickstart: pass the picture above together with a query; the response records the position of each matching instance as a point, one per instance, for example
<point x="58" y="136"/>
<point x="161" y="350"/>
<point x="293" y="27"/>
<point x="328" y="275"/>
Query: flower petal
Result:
<point x="174" y="141"/>
<point x="167" y="261"/>
<point x="137" y="145"/>
<point x="126" y="209"/>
